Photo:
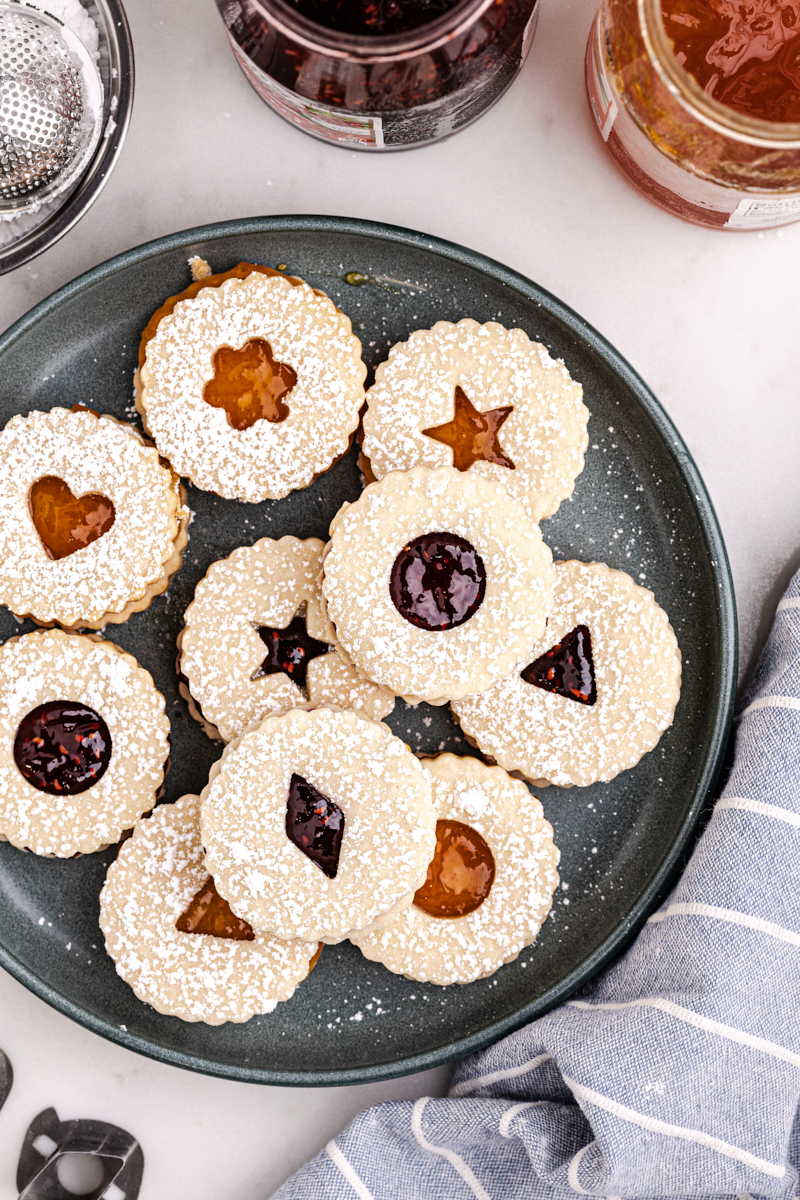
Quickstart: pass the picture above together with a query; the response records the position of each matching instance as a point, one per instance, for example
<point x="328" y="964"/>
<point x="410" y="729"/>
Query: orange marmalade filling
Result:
<point x="208" y="913"/>
<point x="66" y="523"/>
<point x="460" y="875"/>
<point x="249" y="384"/>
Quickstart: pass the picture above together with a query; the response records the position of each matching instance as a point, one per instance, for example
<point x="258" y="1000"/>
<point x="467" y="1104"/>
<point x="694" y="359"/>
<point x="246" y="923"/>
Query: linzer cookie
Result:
<point x="92" y="524"/>
<point x="317" y="823"/>
<point x="483" y="399"/>
<point x="83" y="742"/>
<point x="252" y="388"/>
<point x="176" y="942"/>
<point x="255" y="641"/>
<point x="437" y="583"/>
<point x="489" y="885"/>
<point x="598" y="691"/>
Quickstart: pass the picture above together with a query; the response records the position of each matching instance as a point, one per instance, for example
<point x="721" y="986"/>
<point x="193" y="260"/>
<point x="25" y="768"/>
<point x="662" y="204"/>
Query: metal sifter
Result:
<point x="51" y="101"/>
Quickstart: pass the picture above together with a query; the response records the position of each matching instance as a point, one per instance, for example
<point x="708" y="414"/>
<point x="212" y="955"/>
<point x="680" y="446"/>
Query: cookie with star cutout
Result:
<point x="485" y="400"/>
<point x="255" y="641"/>
<point x="598" y="691"/>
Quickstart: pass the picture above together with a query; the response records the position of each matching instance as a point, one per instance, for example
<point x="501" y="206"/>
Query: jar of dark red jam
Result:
<point x="380" y="74"/>
<point x="698" y="102"/>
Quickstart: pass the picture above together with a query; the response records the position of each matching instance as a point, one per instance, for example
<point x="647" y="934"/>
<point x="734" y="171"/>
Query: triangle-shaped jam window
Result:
<point x="567" y="669"/>
<point x="208" y="913"/>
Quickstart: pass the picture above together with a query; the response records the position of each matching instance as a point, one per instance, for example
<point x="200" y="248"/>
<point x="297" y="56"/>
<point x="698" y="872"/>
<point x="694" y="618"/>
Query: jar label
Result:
<point x="764" y="212"/>
<point x="604" y="106"/>
<point x="344" y="128"/>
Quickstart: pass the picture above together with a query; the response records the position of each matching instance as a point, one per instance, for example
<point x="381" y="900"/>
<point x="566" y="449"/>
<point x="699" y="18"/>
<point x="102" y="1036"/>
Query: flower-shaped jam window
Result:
<point x="472" y="434"/>
<point x="249" y="384"/>
<point x="567" y="669"/>
<point x="438" y="581"/>
<point x="64" y="522"/>
<point x="315" y="824"/>
<point x="62" y="748"/>
<point x="208" y="913"/>
<point x="460" y="875"/>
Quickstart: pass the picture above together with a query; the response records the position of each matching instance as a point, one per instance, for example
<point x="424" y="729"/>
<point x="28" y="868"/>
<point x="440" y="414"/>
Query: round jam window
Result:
<point x="62" y="747"/>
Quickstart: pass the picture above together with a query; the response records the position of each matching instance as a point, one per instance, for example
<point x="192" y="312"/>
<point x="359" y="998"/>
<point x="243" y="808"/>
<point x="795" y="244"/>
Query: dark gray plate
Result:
<point x="640" y="505"/>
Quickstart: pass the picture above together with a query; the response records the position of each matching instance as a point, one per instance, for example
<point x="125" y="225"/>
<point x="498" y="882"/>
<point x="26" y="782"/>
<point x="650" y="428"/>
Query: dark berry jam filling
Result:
<point x="567" y="669"/>
<point x="289" y="650"/>
<point x="315" y="824"/>
<point x="373" y="18"/>
<point x="208" y="913"/>
<point x="438" y="581"/>
<point x="460" y="875"/>
<point x="62" y="748"/>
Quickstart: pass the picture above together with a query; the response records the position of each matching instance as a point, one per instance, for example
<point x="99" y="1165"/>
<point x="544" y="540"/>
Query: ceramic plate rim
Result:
<point x="714" y="751"/>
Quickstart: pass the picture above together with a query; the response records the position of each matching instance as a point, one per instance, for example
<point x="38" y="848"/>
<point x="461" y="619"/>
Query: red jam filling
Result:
<point x="314" y="824"/>
<point x="472" y="435"/>
<point x="461" y="874"/>
<point x="289" y="650"/>
<point x="567" y="669"/>
<point x="62" y="748"/>
<point x="438" y="581"/>
<point x="64" y="522"/>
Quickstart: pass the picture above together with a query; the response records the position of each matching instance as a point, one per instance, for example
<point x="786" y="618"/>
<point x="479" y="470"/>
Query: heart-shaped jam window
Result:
<point x="65" y="522"/>
<point x="249" y="384"/>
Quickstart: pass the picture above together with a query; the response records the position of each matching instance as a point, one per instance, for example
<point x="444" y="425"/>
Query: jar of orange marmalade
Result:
<point x="698" y="102"/>
<point x="380" y="74"/>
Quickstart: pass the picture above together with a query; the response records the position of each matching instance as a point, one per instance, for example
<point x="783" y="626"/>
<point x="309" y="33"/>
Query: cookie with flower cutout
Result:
<point x="92" y="523"/>
<point x="489" y="885"/>
<point x="598" y="691"/>
<point x="317" y="823"/>
<point x="251" y="387"/>
<point x="483" y="399"/>
<point x="176" y="942"/>
<point x="84" y="741"/>
<point x="255" y="641"/>
<point x="437" y="583"/>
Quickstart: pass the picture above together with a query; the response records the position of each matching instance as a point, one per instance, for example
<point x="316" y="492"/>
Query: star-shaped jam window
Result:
<point x="249" y="384"/>
<point x="289" y="650"/>
<point x="472" y="435"/>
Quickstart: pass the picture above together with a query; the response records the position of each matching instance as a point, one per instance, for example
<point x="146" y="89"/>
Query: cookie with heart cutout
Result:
<point x="490" y="882"/>
<point x="484" y="399"/>
<point x="316" y="823"/>
<point x="251" y="386"/>
<point x="599" y="689"/>
<point x="436" y="582"/>
<point x="84" y="741"/>
<point x="176" y="942"/>
<point x="93" y="524"/>
<point x="254" y="641"/>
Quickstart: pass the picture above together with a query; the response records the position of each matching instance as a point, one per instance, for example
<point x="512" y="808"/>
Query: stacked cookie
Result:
<point x="317" y="823"/>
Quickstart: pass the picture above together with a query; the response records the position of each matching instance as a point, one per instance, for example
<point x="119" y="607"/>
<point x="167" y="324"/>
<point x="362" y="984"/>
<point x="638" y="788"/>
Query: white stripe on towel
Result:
<point x="472" y="1085"/>
<point x="677" y="1131"/>
<point x="758" y="806"/>
<point x="771" y="702"/>
<point x="727" y="914"/>
<point x="699" y="1022"/>
<point x="788" y="602"/>
<point x="360" y="1188"/>
<point x="573" y="1177"/>
<point x="458" y="1163"/>
<point x="510" y="1113"/>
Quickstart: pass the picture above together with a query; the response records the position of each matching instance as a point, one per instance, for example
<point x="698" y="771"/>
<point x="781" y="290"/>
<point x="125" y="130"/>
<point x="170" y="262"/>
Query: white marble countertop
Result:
<point x="709" y="319"/>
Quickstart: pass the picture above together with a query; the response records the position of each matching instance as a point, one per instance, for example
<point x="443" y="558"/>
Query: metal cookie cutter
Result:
<point x="6" y="1078"/>
<point x="49" y="1140"/>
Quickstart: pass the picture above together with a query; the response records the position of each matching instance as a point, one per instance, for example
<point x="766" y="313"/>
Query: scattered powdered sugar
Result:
<point x="41" y="667"/>
<point x="196" y="977"/>
<point x="637" y="667"/>
<point x="90" y="455"/>
<point x="473" y="800"/>
<point x="367" y="536"/>
<point x="270" y="459"/>
<point x="545" y="435"/>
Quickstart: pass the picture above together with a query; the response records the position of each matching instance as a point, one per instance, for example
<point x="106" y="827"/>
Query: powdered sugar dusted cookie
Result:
<point x="318" y="823"/>
<point x="484" y="399"/>
<point x="252" y="388"/>
<point x="437" y="583"/>
<point x="83" y="742"/>
<point x="255" y="641"/>
<point x="598" y="691"/>
<point x="92" y="524"/>
<point x="176" y="942"/>
<point x="489" y="885"/>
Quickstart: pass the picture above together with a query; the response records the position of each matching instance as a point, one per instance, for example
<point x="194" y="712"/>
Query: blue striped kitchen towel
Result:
<point x="675" y="1073"/>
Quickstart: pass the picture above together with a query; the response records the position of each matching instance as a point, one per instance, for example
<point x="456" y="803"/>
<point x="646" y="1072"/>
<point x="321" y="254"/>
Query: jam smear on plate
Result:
<point x="289" y="650"/>
<point x="64" y="522"/>
<point x="62" y="748"/>
<point x="460" y="875"/>
<point x="314" y="824"/>
<point x="567" y="668"/>
<point x="208" y="913"/>
<point x="438" y="581"/>
<point x="472" y="434"/>
<point x="250" y="384"/>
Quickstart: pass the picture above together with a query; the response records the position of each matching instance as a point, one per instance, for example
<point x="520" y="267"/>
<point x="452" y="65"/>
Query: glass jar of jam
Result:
<point x="380" y="74"/>
<point x="698" y="102"/>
